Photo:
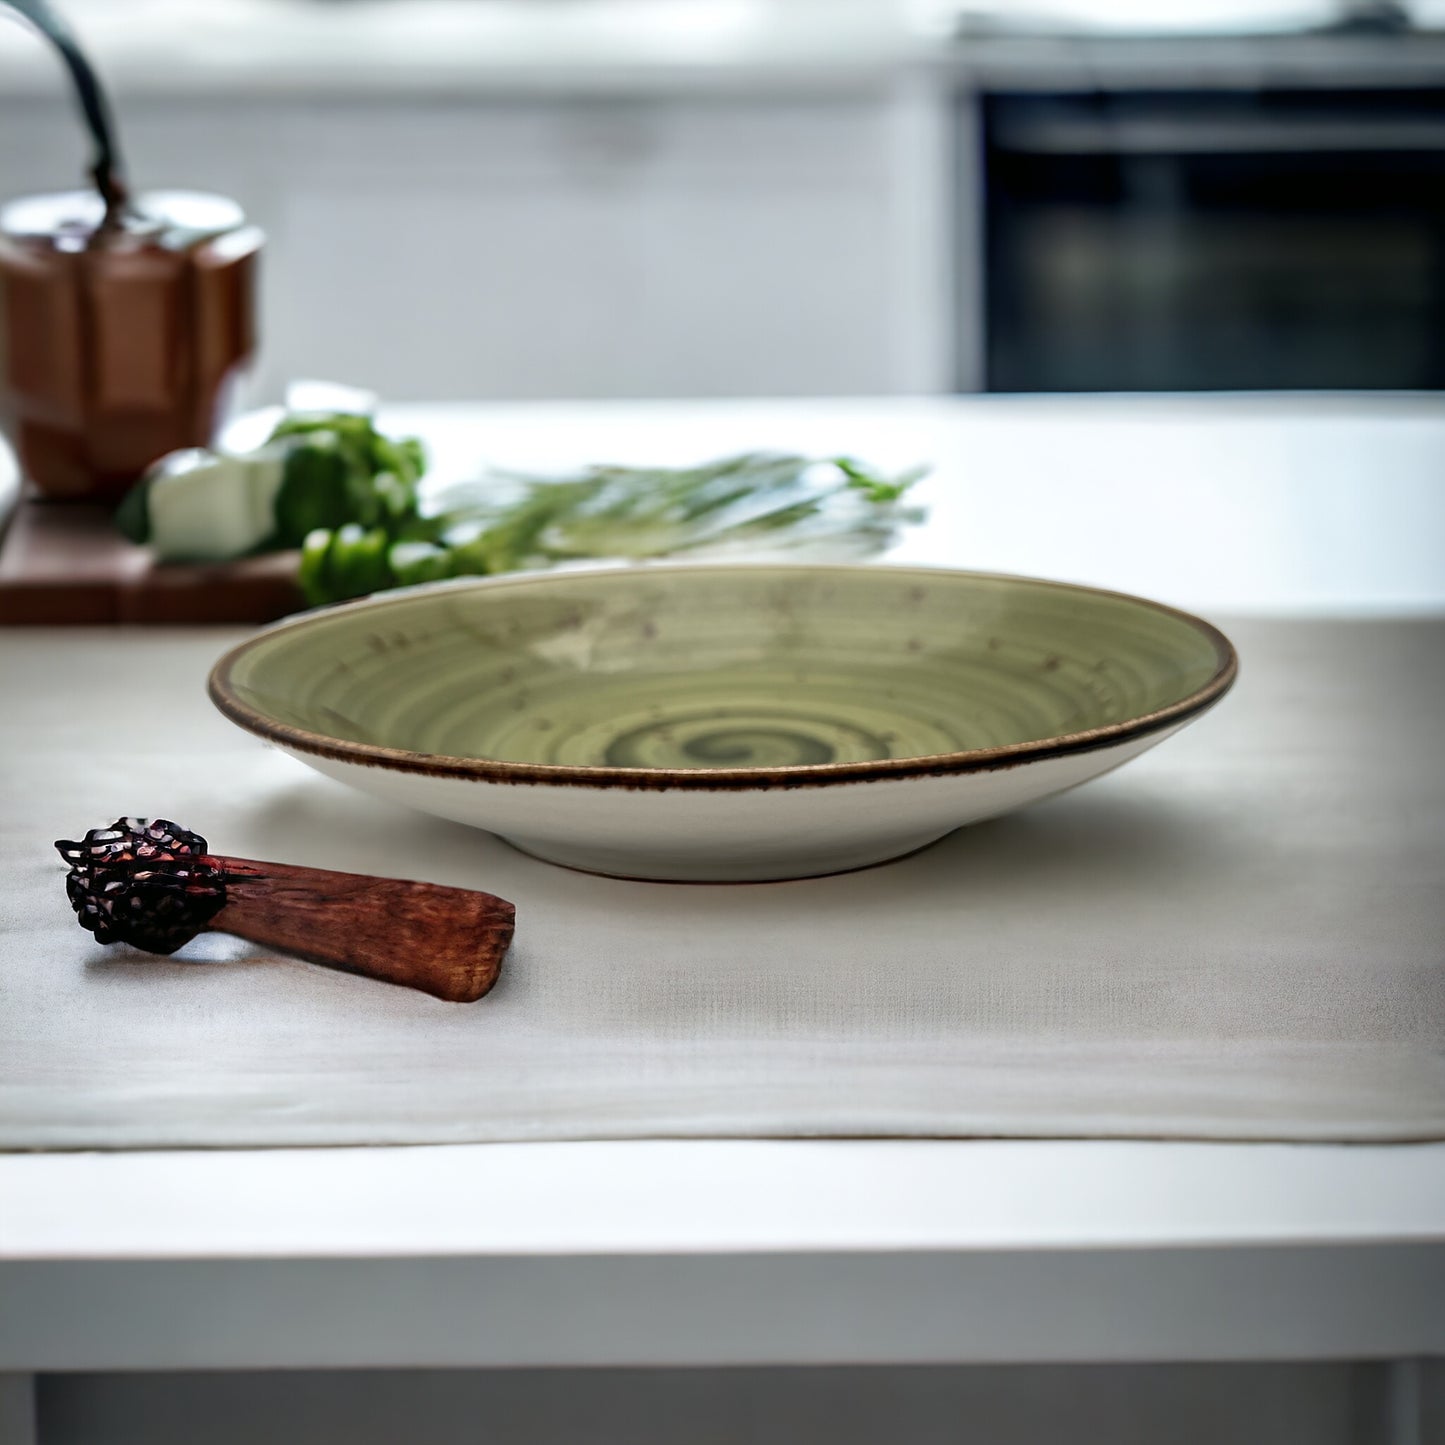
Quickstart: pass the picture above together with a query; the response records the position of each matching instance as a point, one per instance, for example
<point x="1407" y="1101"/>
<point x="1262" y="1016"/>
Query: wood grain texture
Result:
<point x="63" y="563"/>
<point x="448" y="942"/>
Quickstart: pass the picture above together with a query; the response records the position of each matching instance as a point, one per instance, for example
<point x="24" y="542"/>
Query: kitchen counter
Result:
<point x="1271" y="505"/>
<point x="851" y="1251"/>
<point x="721" y="1253"/>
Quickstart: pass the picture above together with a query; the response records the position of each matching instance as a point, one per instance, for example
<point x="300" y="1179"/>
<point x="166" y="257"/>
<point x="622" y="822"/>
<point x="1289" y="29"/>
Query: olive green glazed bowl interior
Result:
<point x="708" y="675"/>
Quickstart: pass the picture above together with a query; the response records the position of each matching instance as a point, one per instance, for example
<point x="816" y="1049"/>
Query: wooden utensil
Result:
<point x="156" y="886"/>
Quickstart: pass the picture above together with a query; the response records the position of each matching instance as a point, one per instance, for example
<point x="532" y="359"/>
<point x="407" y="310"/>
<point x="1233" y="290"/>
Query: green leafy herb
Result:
<point x="339" y="470"/>
<point x="505" y="522"/>
<point x="348" y="497"/>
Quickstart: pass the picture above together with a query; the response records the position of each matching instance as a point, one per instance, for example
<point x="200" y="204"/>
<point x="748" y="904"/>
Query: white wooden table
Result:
<point x="808" y="1252"/>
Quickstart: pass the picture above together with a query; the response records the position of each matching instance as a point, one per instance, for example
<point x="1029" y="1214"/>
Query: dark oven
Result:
<point x="1147" y="241"/>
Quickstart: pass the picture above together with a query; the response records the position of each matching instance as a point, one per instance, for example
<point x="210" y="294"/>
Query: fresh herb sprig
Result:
<point x="505" y="522"/>
<point x="350" y="498"/>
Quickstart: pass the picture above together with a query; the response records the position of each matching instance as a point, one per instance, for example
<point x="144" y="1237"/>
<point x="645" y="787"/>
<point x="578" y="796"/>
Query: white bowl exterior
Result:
<point x="733" y="835"/>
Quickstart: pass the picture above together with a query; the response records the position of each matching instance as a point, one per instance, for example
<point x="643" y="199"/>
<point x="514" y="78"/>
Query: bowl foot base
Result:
<point x="750" y="867"/>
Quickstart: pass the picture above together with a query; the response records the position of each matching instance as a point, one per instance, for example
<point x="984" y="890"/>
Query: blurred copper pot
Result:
<point x="121" y="336"/>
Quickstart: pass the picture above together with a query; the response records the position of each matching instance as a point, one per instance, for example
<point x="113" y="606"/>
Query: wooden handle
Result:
<point x="448" y="942"/>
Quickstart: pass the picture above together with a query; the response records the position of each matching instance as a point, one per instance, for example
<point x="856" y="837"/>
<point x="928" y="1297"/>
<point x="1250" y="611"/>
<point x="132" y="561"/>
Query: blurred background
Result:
<point x="652" y="198"/>
<point x="518" y="199"/>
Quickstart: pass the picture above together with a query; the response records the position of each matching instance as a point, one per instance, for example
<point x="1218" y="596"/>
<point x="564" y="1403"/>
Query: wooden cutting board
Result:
<point x="64" y="563"/>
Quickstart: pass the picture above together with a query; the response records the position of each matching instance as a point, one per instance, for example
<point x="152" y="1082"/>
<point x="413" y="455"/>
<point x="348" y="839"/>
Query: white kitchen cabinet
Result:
<point x="551" y="247"/>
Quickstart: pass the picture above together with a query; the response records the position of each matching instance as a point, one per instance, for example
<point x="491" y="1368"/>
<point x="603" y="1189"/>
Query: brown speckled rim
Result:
<point x="482" y="770"/>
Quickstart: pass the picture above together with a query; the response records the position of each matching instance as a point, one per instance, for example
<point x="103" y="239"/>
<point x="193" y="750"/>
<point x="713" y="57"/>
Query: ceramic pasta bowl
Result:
<point x="725" y="722"/>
